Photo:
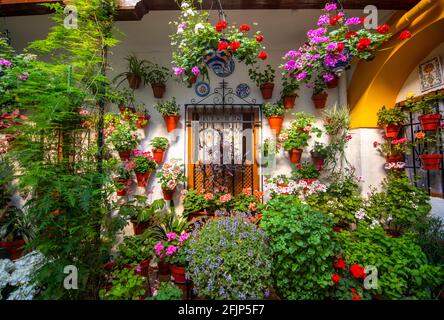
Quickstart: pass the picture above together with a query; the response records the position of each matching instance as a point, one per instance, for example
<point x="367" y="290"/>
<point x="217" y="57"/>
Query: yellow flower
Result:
<point x="410" y="95"/>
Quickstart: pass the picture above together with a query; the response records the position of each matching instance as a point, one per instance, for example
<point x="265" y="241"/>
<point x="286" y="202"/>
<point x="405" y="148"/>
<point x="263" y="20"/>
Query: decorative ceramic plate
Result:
<point x="202" y="89"/>
<point x="243" y="90"/>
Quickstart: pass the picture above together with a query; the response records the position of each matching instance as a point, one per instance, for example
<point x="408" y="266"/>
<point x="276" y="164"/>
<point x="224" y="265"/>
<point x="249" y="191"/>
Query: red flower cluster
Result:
<point x="405" y="35"/>
<point x="244" y="28"/>
<point x="340" y="264"/>
<point x="235" y="45"/>
<point x="355" y="296"/>
<point x="335" y="20"/>
<point x="223" y="45"/>
<point x="350" y="34"/>
<point x="335" y="278"/>
<point x="363" y="44"/>
<point x="341" y="47"/>
<point x="259" y="38"/>
<point x="263" y="55"/>
<point x="383" y="29"/>
<point x="221" y="25"/>
<point x="357" y="271"/>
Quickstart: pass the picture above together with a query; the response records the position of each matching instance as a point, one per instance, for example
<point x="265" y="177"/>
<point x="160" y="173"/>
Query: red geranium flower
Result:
<point x="335" y="19"/>
<point x="221" y="25"/>
<point x="341" y="47"/>
<point x="335" y="278"/>
<point x="354" y="295"/>
<point x="405" y="35"/>
<point x="244" y="27"/>
<point x="363" y="44"/>
<point x="383" y="29"/>
<point x="223" y="45"/>
<point x="357" y="271"/>
<point x="340" y="264"/>
<point x="263" y="55"/>
<point x="235" y="45"/>
<point x="363" y="19"/>
<point x="350" y="34"/>
<point x="259" y="38"/>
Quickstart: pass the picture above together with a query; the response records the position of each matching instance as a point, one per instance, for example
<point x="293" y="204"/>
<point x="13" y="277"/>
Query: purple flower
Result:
<point x="353" y="21"/>
<point x="301" y="76"/>
<point x="170" y="250"/>
<point x="171" y="236"/>
<point x="195" y="71"/>
<point x="316" y="32"/>
<point x="323" y="19"/>
<point x="292" y="54"/>
<point x="139" y="269"/>
<point x="330" y="7"/>
<point x="330" y="60"/>
<point x="332" y="46"/>
<point x="178" y="71"/>
<point x="290" y="65"/>
<point x="24" y="76"/>
<point x="328" y="77"/>
<point x="6" y="63"/>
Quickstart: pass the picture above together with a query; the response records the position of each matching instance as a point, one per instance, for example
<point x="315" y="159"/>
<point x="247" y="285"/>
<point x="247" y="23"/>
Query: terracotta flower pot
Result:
<point x="333" y="83"/>
<point x="158" y="90"/>
<point x="142" y="178"/>
<point x="139" y="228"/>
<point x="431" y="161"/>
<point x="318" y="162"/>
<point x="394" y="158"/>
<point x="134" y="81"/>
<point x="142" y="120"/>
<point x="145" y="266"/>
<point x="178" y="274"/>
<point x="289" y="101"/>
<point x="123" y="190"/>
<point x="164" y="268"/>
<point x="276" y="123"/>
<point x="320" y="100"/>
<point x="430" y="122"/>
<point x="267" y="90"/>
<point x="14" y="248"/>
<point x="192" y="80"/>
<point x="125" y="155"/>
<point x="168" y="194"/>
<point x="295" y="155"/>
<point x="392" y="131"/>
<point x="158" y="155"/>
<point x="171" y="122"/>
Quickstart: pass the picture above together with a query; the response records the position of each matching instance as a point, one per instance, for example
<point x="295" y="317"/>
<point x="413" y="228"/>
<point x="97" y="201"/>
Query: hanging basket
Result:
<point x="394" y="158"/>
<point x="392" y="131"/>
<point x="125" y="155"/>
<point x="318" y="161"/>
<point x="122" y="190"/>
<point x="430" y="122"/>
<point x="134" y="81"/>
<point x="142" y="120"/>
<point x="320" y="100"/>
<point x="171" y="122"/>
<point x="295" y="155"/>
<point x="158" y="155"/>
<point x="142" y="178"/>
<point x="333" y="83"/>
<point x="168" y="194"/>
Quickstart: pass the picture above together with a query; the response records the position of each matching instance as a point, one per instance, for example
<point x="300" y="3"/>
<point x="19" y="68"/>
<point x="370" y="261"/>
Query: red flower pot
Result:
<point x="431" y="161"/>
<point x="134" y="81"/>
<point x="318" y="162"/>
<point x="158" y="90"/>
<point x="430" y="122"/>
<point x="289" y="101"/>
<point x="142" y="178"/>
<point x="168" y="194"/>
<point x="171" y="122"/>
<point x="125" y="155"/>
<point x="14" y="248"/>
<point x="122" y="190"/>
<point x="320" y="100"/>
<point x="164" y="268"/>
<point x="142" y="120"/>
<point x="295" y="155"/>
<point x="333" y="83"/>
<point x="267" y="90"/>
<point x="139" y="227"/>
<point x="158" y="155"/>
<point x="276" y="123"/>
<point x="178" y="274"/>
<point x="395" y="158"/>
<point x="392" y="131"/>
<point x="145" y="266"/>
<point x="192" y="80"/>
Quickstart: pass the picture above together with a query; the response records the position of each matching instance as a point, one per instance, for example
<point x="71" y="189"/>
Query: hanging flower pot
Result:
<point x="158" y="155"/>
<point x="192" y="80"/>
<point x="168" y="194"/>
<point x="139" y="227"/>
<point x="267" y="90"/>
<point x="158" y="90"/>
<point x="14" y="248"/>
<point x="276" y="123"/>
<point x="142" y="178"/>
<point x="289" y="101"/>
<point x="295" y="155"/>
<point x="171" y="122"/>
<point x="164" y="268"/>
<point x="123" y="189"/>
<point x="134" y="80"/>
<point x="392" y="131"/>
<point x="318" y="161"/>
<point x="320" y="100"/>
<point x="142" y="120"/>
<point x="178" y="274"/>
<point x="430" y="122"/>
<point x="125" y="155"/>
<point x="333" y="83"/>
<point x="394" y="158"/>
<point x="431" y="161"/>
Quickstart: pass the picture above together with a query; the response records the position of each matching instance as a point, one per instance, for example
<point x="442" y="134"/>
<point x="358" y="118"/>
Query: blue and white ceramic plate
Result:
<point x="202" y="89"/>
<point x="243" y="90"/>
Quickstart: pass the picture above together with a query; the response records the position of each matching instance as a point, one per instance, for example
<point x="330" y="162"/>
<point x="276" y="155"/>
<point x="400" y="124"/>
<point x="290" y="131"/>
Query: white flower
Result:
<point x="189" y="12"/>
<point x="185" y="5"/>
<point x="198" y="26"/>
<point x="360" y="214"/>
<point x="374" y="224"/>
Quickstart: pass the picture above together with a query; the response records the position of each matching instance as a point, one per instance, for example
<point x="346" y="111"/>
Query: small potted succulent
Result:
<point x="431" y="118"/>
<point x="391" y="120"/>
<point x="157" y="77"/>
<point x="170" y="175"/>
<point x="305" y="171"/>
<point x="135" y="74"/>
<point x="318" y="155"/>
<point x="319" y="96"/>
<point x="264" y="80"/>
<point x="159" y="146"/>
<point x="393" y="149"/>
<point x="143" y="165"/>
<point x="124" y="139"/>
<point x="289" y="95"/>
<point x="142" y="115"/>
<point x="431" y="157"/>
<point x="122" y="181"/>
<point x="275" y="115"/>
<point x="170" y="111"/>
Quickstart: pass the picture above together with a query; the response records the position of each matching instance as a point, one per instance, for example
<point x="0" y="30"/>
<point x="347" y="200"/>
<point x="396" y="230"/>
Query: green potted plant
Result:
<point x="391" y="120"/>
<point x="296" y="137"/>
<point x="430" y="119"/>
<point x="124" y="139"/>
<point x="290" y="86"/>
<point x="125" y="100"/>
<point x="305" y="171"/>
<point x="15" y="231"/>
<point x="275" y="115"/>
<point x="194" y="204"/>
<point x="135" y="74"/>
<point x="142" y="116"/>
<point x="143" y="165"/>
<point x="170" y="175"/>
<point x="159" y="146"/>
<point x="319" y="96"/>
<point x="157" y="77"/>
<point x="431" y="157"/>
<point x="319" y="153"/>
<point x="141" y="213"/>
<point x="167" y="291"/>
<point x="126" y="285"/>
<point x="264" y="80"/>
<point x="122" y="181"/>
<point x="393" y="150"/>
<point x="170" y="111"/>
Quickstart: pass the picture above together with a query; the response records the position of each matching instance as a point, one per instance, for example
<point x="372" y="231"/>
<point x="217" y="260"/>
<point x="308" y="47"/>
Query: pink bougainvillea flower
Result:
<point x="330" y="7"/>
<point x="353" y="21"/>
<point x="178" y="71"/>
<point x="195" y="71"/>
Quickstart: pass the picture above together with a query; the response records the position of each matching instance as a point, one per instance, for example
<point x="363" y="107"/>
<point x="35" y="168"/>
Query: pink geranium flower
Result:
<point x="171" y="236"/>
<point x="170" y="250"/>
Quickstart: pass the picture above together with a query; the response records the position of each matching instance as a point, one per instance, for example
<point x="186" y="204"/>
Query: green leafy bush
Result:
<point x="143" y="162"/>
<point x="124" y="137"/>
<point x="303" y="245"/>
<point x="156" y="74"/>
<point x="262" y="77"/>
<point x="167" y="291"/>
<point x="229" y="258"/>
<point x="299" y="133"/>
<point x="126" y="285"/>
<point x="194" y="202"/>
<point x="305" y="170"/>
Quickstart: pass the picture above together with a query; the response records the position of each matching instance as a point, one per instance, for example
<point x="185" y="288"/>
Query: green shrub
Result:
<point x="126" y="285"/>
<point x="167" y="291"/>
<point x="303" y="247"/>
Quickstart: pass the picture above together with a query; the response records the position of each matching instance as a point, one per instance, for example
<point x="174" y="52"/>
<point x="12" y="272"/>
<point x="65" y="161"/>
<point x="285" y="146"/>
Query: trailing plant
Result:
<point x="320" y="150"/>
<point x="394" y="116"/>
<point x="305" y="170"/>
<point x="289" y="86"/>
<point x="428" y="105"/>
<point x="159" y="143"/>
<point x="229" y="258"/>
<point x="126" y="285"/>
<point x="168" y="108"/>
<point x="167" y="291"/>
<point x="262" y="77"/>
<point x="273" y="109"/>
<point x="299" y="133"/>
